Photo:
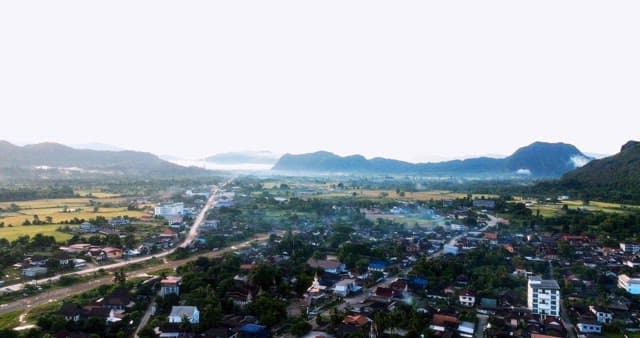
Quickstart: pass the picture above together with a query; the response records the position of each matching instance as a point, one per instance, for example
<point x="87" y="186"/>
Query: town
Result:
<point x="304" y="258"/>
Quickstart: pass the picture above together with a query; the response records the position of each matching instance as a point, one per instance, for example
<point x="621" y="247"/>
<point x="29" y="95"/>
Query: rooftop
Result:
<point x="537" y="282"/>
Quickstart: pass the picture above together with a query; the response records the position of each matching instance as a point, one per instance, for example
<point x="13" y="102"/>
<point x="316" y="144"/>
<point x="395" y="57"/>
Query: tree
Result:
<point x="120" y="277"/>
<point x="300" y="327"/>
<point x="49" y="219"/>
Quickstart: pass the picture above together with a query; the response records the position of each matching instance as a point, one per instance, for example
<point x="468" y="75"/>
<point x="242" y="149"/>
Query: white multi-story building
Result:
<point x="169" y="209"/>
<point x="632" y="248"/>
<point x="629" y="284"/>
<point x="543" y="297"/>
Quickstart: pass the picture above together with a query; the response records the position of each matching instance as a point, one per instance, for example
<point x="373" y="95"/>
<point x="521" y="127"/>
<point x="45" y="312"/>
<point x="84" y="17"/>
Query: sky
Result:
<point x="411" y="80"/>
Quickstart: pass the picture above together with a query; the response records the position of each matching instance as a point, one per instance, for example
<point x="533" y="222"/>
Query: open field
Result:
<point x="12" y="233"/>
<point x="418" y="195"/>
<point x="10" y="320"/>
<point x="81" y="208"/>
<point x="58" y="216"/>
<point x="550" y="210"/>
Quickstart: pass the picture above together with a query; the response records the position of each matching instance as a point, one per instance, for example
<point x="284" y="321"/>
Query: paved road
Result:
<point x="481" y="326"/>
<point x="56" y="294"/>
<point x="191" y="236"/>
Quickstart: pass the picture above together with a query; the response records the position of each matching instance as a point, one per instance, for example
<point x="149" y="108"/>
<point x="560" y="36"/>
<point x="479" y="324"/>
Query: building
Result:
<point x="543" y="297"/>
<point x="589" y="326"/>
<point x="631" y="285"/>
<point x="170" y="285"/>
<point x="254" y="331"/>
<point x="451" y="249"/>
<point x="344" y="287"/>
<point x="467" y="298"/>
<point x="328" y="266"/>
<point x="179" y="312"/>
<point x="631" y="248"/>
<point x="484" y="204"/>
<point x="169" y="209"/>
<point x="34" y="271"/>
<point x="377" y="267"/>
<point x="603" y="315"/>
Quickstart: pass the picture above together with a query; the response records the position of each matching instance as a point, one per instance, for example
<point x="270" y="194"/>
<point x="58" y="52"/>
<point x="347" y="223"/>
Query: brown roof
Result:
<point x="358" y="320"/>
<point x="323" y="264"/>
<point x="441" y="319"/>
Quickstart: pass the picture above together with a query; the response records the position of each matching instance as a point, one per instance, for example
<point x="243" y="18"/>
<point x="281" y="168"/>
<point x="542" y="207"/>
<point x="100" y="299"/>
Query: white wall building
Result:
<point x="179" y="312"/>
<point x="631" y="285"/>
<point x="543" y="296"/>
<point x="169" y="209"/>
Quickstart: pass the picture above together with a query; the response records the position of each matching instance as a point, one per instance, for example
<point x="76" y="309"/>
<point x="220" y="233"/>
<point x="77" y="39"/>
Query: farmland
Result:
<point x="54" y="212"/>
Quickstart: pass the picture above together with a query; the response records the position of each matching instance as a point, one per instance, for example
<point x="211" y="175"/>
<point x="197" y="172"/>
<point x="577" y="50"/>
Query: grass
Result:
<point x="392" y="194"/>
<point x="12" y="233"/>
<point x="82" y="209"/>
<point x="10" y="320"/>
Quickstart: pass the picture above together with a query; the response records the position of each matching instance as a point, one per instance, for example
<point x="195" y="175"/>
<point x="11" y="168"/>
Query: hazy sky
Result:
<point x="402" y="79"/>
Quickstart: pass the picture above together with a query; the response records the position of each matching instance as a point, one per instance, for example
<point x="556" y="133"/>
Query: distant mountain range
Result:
<point x="244" y="157"/>
<point x="614" y="178"/>
<point x="55" y="160"/>
<point x="539" y="159"/>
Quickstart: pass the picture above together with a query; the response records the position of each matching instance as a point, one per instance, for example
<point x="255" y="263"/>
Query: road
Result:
<point x="56" y="294"/>
<point x="191" y="236"/>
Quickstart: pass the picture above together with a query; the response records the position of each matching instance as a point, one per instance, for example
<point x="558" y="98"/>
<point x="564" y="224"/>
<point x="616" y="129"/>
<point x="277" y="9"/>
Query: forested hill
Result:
<point x="57" y="160"/>
<point x="614" y="178"/>
<point x="539" y="159"/>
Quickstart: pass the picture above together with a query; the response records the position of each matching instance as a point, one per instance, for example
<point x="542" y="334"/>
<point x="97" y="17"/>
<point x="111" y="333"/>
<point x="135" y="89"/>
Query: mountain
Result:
<point x="244" y="157"/>
<point x="57" y="160"/>
<point x="96" y="146"/>
<point x="539" y="159"/>
<point x="614" y="178"/>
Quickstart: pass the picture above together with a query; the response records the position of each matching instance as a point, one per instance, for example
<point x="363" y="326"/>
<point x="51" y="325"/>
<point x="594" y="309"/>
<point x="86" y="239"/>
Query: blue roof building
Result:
<point x="254" y="331"/>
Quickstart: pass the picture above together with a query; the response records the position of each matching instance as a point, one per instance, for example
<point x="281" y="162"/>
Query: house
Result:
<point x="603" y="315"/>
<point x="76" y="248"/>
<point x="418" y="283"/>
<point x="79" y="263"/>
<point x="543" y="296"/>
<point x="118" y="221"/>
<point x="240" y="296"/>
<point x="377" y="266"/>
<point x="118" y="300"/>
<point x="344" y="287"/>
<point x="488" y="304"/>
<point x="179" y="312"/>
<point x="112" y="252"/>
<point x="491" y="237"/>
<point x="589" y="326"/>
<point x="169" y="234"/>
<point x="484" y="204"/>
<point x="88" y="227"/>
<point x="451" y="249"/>
<point x="328" y="266"/>
<point x="253" y="331"/>
<point x="71" y="311"/>
<point x="466" y="329"/>
<point x="34" y="271"/>
<point x="383" y="294"/>
<point x="38" y="260"/>
<point x="352" y="323"/>
<point x="170" y="285"/>
<point x="467" y="298"/>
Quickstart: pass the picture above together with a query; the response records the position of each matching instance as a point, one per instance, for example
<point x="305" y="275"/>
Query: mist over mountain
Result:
<point x="615" y="178"/>
<point x="244" y="157"/>
<point x="539" y="159"/>
<point x="57" y="160"/>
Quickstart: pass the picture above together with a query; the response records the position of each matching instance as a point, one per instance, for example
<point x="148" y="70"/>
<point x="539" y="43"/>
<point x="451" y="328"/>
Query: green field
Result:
<point x="10" y="320"/>
<point x="11" y="233"/>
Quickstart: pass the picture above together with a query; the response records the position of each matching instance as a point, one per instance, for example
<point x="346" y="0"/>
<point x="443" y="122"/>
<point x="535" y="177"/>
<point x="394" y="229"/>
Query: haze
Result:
<point x="407" y="80"/>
